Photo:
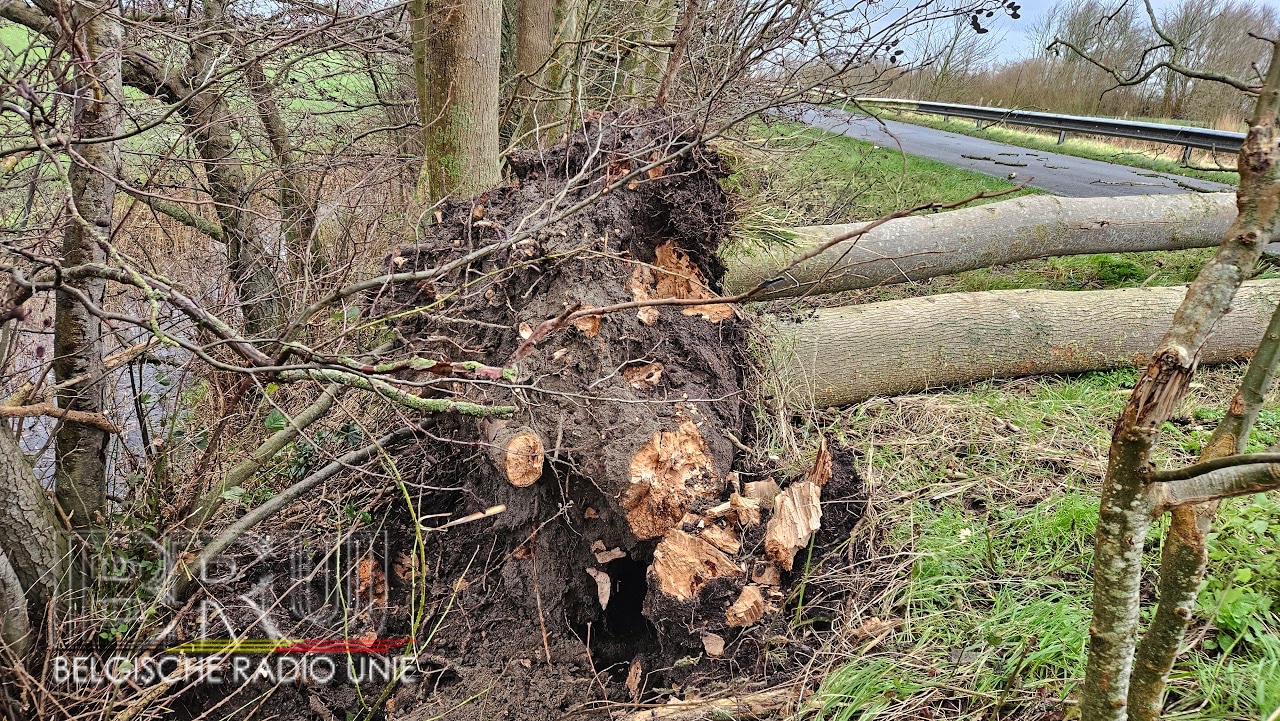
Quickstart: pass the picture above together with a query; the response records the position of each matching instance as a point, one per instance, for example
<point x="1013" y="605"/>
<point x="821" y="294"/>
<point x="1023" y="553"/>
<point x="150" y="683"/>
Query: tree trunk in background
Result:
<point x="78" y="341"/>
<point x="251" y="266"/>
<point x="562" y="72"/>
<point x="683" y="30"/>
<point x="297" y="214"/>
<point x="456" y="58"/>
<point x="648" y="59"/>
<point x="535" y="32"/>
<point x="845" y="355"/>
<point x="926" y="246"/>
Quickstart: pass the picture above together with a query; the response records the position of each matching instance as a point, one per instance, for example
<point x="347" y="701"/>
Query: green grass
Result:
<point x="803" y="176"/>
<point x="14" y="38"/>
<point x="992" y="491"/>
<point x="1091" y="148"/>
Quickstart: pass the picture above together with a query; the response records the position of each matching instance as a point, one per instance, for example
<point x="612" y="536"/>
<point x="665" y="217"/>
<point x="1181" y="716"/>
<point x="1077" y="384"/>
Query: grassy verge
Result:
<point x="1166" y="161"/>
<point x="795" y="175"/>
<point x="967" y="580"/>
<point x="992" y="492"/>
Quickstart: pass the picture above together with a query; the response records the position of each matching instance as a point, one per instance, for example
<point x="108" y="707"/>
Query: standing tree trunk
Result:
<point x="562" y="72"/>
<point x="251" y="266"/>
<point x="678" y="47"/>
<point x="535" y="32"/>
<point x="1128" y="502"/>
<point x="80" y="467"/>
<point x="29" y="535"/>
<point x="297" y="214"/>
<point x="456" y="73"/>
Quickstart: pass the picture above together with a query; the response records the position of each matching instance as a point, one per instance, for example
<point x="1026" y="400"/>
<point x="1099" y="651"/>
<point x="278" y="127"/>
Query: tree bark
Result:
<point x="29" y="528"/>
<point x="456" y="72"/>
<point x="684" y="29"/>
<point x="845" y="355"/>
<point x="926" y="246"/>
<point x="15" y="623"/>
<point x="535" y="32"/>
<point x="1185" y="555"/>
<point x="562" y="73"/>
<point x="1126" y="510"/>
<point x="79" y="347"/>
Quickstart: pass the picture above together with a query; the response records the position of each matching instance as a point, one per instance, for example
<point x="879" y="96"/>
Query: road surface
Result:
<point x="1054" y="173"/>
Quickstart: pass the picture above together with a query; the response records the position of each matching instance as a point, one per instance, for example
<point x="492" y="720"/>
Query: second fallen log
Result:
<point x="845" y="355"/>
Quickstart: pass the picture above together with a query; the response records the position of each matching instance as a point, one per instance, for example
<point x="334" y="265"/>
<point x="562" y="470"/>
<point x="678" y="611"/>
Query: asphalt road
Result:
<point x="1063" y="175"/>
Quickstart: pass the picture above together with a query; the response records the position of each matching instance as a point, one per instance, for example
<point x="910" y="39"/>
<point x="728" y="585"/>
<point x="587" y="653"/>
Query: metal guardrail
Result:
<point x="1187" y="137"/>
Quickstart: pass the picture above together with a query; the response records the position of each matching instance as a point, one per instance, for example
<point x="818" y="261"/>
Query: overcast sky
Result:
<point x="1016" y="42"/>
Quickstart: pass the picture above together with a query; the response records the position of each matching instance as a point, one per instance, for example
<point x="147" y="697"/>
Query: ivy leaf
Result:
<point x="275" y="420"/>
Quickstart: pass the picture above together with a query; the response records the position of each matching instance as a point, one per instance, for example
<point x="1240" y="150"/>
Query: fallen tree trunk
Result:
<point x="927" y="246"/>
<point x="845" y="355"/>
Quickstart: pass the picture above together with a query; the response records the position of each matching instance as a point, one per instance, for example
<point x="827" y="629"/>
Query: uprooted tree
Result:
<point x="537" y="382"/>
<point x="249" y="198"/>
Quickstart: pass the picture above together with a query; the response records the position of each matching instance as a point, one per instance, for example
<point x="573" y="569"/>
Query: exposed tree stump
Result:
<point x="516" y="451"/>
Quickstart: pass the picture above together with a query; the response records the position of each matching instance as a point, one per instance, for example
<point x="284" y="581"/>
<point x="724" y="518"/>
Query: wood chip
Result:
<point x="746" y="511"/>
<point x="713" y="645"/>
<point x="604" y="586"/>
<point x="604" y="556"/>
<point x="763" y="491"/>
<point x="721" y="538"/>
<point x="749" y="608"/>
<point x="634" y="676"/>
<point x="683" y="564"/>
<point x="821" y="471"/>
<point x="766" y="573"/>
<point x="797" y="514"/>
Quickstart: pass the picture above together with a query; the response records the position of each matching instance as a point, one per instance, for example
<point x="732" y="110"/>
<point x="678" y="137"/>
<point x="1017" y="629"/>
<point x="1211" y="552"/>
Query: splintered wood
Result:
<point x="749" y="608"/>
<point x="797" y="513"/>
<point x="666" y="474"/>
<point x="673" y="275"/>
<point x="683" y="564"/>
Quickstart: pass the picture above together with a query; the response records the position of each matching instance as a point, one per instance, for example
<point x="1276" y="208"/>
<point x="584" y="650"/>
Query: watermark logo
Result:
<point x="244" y="627"/>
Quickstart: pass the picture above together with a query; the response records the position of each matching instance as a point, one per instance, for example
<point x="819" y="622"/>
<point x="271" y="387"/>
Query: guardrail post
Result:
<point x="1062" y="137"/>
<point x="1186" y="155"/>
<point x="978" y="123"/>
